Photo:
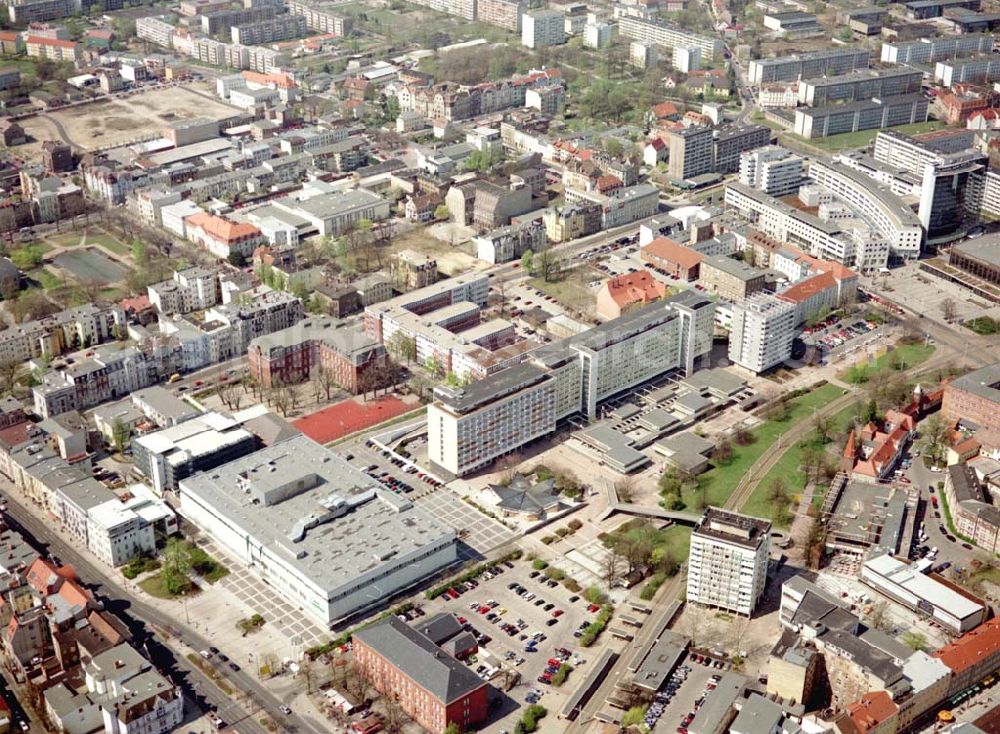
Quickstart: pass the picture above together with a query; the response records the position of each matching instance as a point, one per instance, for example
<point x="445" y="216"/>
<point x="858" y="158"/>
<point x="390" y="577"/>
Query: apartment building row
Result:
<point x="74" y="328"/>
<point x="666" y="35"/>
<point x="454" y="102"/>
<point x="278" y="28"/>
<point x="217" y="53"/>
<point x="808" y="65"/>
<point x="175" y="345"/>
<point x="820" y="122"/>
<point x="858" y="85"/>
<point x="322" y="18"/>
<point x="698" y="150"/>
<point x="470" y="427"/>
<point x="931" y="50"/>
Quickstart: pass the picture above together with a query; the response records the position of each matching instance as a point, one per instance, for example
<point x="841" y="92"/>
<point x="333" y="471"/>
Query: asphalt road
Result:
<point x="141" y="617"/>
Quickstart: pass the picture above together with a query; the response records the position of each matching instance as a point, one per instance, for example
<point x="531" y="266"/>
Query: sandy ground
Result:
<point x="122" y="120"/>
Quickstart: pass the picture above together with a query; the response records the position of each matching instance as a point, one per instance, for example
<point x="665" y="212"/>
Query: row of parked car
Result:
<point x="700" y="701"/>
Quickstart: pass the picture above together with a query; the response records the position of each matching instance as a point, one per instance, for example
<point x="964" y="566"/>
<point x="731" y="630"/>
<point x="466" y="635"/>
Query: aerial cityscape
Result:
<point x="501" y="366"/>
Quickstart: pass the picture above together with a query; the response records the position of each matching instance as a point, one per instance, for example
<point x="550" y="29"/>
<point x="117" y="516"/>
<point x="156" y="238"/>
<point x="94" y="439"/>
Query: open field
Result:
<point x="902" y="357"/>
<point x="571" y="288"/>
<point x="718" y="483"/>
<point x="121" y="120"/>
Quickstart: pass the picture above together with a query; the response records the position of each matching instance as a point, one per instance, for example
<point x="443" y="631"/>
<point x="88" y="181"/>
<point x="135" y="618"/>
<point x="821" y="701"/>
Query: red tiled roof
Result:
<point x="972" y="647"/>
<point x="9" y="35"/>
<point x="16" y="434"/>
<point x="809" y="287"/>
<point x="674" y="252"/>
<point x="284" y="81"/>
<point x="640" y="287"/>
<point x="51" y="42"/>
<point x="221" y="229"/>
<point x="873" y="709"/>
<point x="664" y="109"/>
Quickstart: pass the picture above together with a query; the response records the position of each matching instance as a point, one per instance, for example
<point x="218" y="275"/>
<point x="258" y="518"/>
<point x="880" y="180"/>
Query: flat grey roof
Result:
<point x="718" y="704"/>
<point x="667" y="652"/>
<point x="986" y="249"/>
<point x="736" y="268"/>
<point x="757" y="716"/>
<point x="164" y="402"/>
<point x="287" y="497"/>
<point x="495" y="386"/>
<point x="732" y="527"/>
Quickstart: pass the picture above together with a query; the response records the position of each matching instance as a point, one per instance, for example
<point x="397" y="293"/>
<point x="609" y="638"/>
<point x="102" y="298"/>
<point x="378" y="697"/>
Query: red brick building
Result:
<point x="433" y="687"/>
<point x="974" y="398"/>
<point x="673" y="258"/>
<point x="354" y="360"/>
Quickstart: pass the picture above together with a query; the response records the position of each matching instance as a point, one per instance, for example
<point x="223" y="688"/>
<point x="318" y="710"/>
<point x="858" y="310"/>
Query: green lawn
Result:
<point x="902" y="357"/>
<point x="789" y="467"/>
<point x="720" y="481"/>
<point x="68" y="239"/>
<point x="862" y="138"/>
<point x="46" y="278"/>
<point x="153" y="585"/>
<point x="677" y="539"/>
<point x="109" y="243"/>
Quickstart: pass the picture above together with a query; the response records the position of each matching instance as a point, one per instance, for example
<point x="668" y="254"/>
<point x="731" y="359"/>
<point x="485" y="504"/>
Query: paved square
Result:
<point x="480" y="533"/>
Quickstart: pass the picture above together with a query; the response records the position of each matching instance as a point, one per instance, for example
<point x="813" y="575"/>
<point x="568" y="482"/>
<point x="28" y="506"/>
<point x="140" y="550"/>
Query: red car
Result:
<point x="557" y="613"/>
<point x="593" y="608"/>
<point x="483" y="609"/>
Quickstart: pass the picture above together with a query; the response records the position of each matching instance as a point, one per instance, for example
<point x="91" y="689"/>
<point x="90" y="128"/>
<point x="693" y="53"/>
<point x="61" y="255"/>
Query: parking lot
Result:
<point x="681" y="697"/>
<point x="835" y="337"/>
<point x="523" y="619"/>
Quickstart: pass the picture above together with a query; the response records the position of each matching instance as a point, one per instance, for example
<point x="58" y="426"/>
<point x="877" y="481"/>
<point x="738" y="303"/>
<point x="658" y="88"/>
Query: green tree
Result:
<point x="237" y="259"/>
<point x="120" y="435"/>
<point x="453" y="728"/>
<point x="935" y="434"/>
<point x="634" y="716"/>
<point x="176" y="565"/>
<point x="441" y="212"/>
<point x="402" y="346"/>
<point x="526" y="260"/>
<point x="614" y="147"/>
<point x="27" y="257"/>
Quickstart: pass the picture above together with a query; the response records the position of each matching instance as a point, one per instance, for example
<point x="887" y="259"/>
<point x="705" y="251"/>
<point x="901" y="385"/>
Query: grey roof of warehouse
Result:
<point x="736" y="268"/>
<point x="322" y="516"/>
<point x="438" y="673"/>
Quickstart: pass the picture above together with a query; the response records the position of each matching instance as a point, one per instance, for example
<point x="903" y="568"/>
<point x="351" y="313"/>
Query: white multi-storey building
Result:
<point x="470" y="427"/>
<point x="896" y="221"/>
<point x="543" y="28"/>
<point x="191" y="289"/>
<point x="774" y="170"/>
<point x="929" y="50"/>
<point x="669" y="36"/>
<point x="155" y="30"/>
<point x="762" y="332"/>
<point x="116" y="533"/>
<point x="727" y="565"/>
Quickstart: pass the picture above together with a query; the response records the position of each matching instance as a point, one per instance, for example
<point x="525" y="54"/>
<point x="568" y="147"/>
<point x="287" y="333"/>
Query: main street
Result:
<point x="142" y="618"/>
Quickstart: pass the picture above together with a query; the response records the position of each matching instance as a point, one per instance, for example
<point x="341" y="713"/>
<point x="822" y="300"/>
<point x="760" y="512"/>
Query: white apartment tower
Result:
<point x="543" y="28"/>
<point x="727" y="566"/>
<point x="762" y="332"/>
<point x="772" y="169"/>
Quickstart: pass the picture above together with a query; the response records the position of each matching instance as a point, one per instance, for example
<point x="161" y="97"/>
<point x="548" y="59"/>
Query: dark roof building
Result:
<point x="431" y="685"/>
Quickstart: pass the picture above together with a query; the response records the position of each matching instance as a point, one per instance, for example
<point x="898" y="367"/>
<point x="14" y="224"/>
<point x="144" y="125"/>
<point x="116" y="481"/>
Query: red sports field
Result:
<point x="350" y="416"/>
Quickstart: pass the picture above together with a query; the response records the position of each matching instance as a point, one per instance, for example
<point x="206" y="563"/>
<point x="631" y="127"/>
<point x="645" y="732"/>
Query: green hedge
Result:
<point x="560" y="677"/>
<point x="529" y="720"/>
<point x="598" y="626"/>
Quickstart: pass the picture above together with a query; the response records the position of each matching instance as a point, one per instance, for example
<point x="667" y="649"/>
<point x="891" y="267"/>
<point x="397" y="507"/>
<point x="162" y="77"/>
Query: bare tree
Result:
<point x="611" y="568"/>
<point x="294" y="396"/>
<point x="625" y="487"/>
<point x="231" y="395"/>
<point x="949" y="309"/>
<point x="307" y="673"/>
<point x="325" y="380"/>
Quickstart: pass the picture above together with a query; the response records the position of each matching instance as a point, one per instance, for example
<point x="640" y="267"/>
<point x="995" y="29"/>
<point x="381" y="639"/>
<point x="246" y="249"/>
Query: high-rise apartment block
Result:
<point x="543" y="28"/>
<point x="691" y="151"/>
<point x="762" y="332"/>
<point x="502" y="13"/>
<point x="771" y="169"/>
<point x="727" y="566"/>
<point x="669" y="36"/>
